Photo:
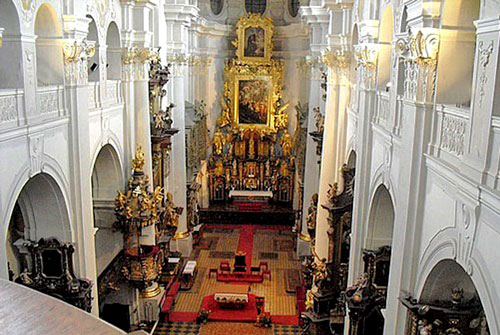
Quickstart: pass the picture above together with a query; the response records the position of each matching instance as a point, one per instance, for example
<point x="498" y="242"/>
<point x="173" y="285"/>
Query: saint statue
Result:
<point x="218" y="142"/>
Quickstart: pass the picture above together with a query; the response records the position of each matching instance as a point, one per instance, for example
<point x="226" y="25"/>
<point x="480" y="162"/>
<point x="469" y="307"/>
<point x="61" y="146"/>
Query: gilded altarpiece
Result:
<point x="251" y="147"/>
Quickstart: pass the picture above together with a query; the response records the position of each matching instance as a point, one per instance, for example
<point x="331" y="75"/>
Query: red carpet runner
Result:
<point x="245" y="244"/>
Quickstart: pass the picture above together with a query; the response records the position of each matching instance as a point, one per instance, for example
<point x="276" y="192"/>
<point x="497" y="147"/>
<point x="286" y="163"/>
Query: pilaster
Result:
<point x="76" y="51"/>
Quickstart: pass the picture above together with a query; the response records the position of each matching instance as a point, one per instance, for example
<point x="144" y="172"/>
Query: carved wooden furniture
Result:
<point x="52" y="273"/>
<point x="445" y="317"/>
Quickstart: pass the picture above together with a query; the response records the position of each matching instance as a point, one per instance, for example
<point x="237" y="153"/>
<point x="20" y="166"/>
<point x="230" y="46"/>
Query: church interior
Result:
<point x="268" y="167"/>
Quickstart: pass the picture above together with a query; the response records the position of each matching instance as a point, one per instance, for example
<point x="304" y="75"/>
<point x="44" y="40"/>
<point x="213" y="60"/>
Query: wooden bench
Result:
<point x="168" y="300"/>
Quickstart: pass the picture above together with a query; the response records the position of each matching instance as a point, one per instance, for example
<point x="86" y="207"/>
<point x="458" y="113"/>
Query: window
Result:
<point x="216" y="6"/>
<point x="293" y="7"/>
<point x="255" y="6"/>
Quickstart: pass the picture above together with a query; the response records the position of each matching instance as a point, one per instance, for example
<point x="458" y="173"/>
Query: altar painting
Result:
<point x="255" y="42"/>
<point x="253" y="101"/>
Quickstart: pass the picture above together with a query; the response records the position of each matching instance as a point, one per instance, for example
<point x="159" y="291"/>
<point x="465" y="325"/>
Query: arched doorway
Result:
<point x="107" y="178"/>
<point x="448" y="304"/>
<point x="40" y="212"/>
<point x="113" y="52"/>
<point x="10" y="52"/>
<point x="49" y="56"/>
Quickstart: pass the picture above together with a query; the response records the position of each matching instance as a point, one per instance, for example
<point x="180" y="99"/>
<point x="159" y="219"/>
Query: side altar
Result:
<point x="252" y="150"/>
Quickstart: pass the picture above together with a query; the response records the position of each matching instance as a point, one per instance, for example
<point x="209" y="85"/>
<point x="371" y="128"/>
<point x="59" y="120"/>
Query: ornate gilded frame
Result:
<point x="271" y="72"/>
<point x="254" y="21"/>
<point x="250" y="68"/>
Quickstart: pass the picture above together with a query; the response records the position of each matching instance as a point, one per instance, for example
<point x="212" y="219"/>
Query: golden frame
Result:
<point x="254" y="21"/>
<point x="236" y="106"/>
<point x="271" y="72"/>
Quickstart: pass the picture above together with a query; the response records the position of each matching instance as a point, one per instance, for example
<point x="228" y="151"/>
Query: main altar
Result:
<point x="252" y="156"/>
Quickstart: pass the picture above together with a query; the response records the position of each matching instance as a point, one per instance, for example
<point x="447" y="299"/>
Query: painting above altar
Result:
<point x="253" y="101"/>
<point x="254" y="42"/>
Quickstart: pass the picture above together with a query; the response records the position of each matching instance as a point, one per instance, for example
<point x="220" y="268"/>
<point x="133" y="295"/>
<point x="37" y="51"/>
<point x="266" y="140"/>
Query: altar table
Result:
<point x="249" y="194"/>
<point x="228" y="295"/>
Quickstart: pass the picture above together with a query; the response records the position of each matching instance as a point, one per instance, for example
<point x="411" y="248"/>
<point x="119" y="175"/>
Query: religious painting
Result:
<point x="254" y="39"/>
<point x="253" y="101"/>
<point x="255" y="42"/>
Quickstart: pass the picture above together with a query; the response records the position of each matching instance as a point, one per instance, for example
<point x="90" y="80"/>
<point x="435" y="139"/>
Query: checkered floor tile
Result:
<point x="286" y="330"/>
<point x="174" y="328"/>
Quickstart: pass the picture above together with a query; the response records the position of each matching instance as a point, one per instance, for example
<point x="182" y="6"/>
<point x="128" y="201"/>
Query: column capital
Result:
<point x="420" y="51"/>
<point x="135" y="62"/>
<point x="76" y="54"/>
<point x="366" y="55"/>
<point x="1" y="36"/>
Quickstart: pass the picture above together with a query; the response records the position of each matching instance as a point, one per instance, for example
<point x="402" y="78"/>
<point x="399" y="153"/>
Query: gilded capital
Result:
<point x="366" y="55"/>
<point x="339" y="59"/>
<point x="138" y="55"/>
<point x="75" y="51"/>
<point x="1" y="36"/>
<point x="421" y="47"/>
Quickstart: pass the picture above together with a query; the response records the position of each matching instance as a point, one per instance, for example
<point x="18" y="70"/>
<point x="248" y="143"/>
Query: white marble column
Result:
<point x="328" y="167"/>
<point x="312" y="167"/>
<point x="318" y="19"/>
<point x="177" y="178"/>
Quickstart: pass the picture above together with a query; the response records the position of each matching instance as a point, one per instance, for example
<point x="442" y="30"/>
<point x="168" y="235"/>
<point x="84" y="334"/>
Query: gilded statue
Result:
<point x="139" y="160"/>
<point x="219" y="169"/>
<point x="218" y="142"/>
<point x="251" y="148"/>
<point x="284" y="169"/>
<point x="286" y="144"/>
<point x="229" y="139"/>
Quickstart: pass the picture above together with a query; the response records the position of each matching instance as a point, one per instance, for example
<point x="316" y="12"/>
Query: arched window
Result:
<point x="216" y="6"/>
<point x="255" y="6"/>
<point x="293" y="7"/>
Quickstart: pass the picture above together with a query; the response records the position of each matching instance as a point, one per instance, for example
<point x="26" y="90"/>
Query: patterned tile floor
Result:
<point x="266" y="242"/>
<point x="181" y="328"/>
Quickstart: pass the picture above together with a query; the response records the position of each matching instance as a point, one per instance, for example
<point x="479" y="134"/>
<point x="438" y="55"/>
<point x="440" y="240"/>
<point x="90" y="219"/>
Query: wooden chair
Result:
<point x="210" y="271"/>
<point x="224" y="267"/>
<point x="264" y="265"/>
